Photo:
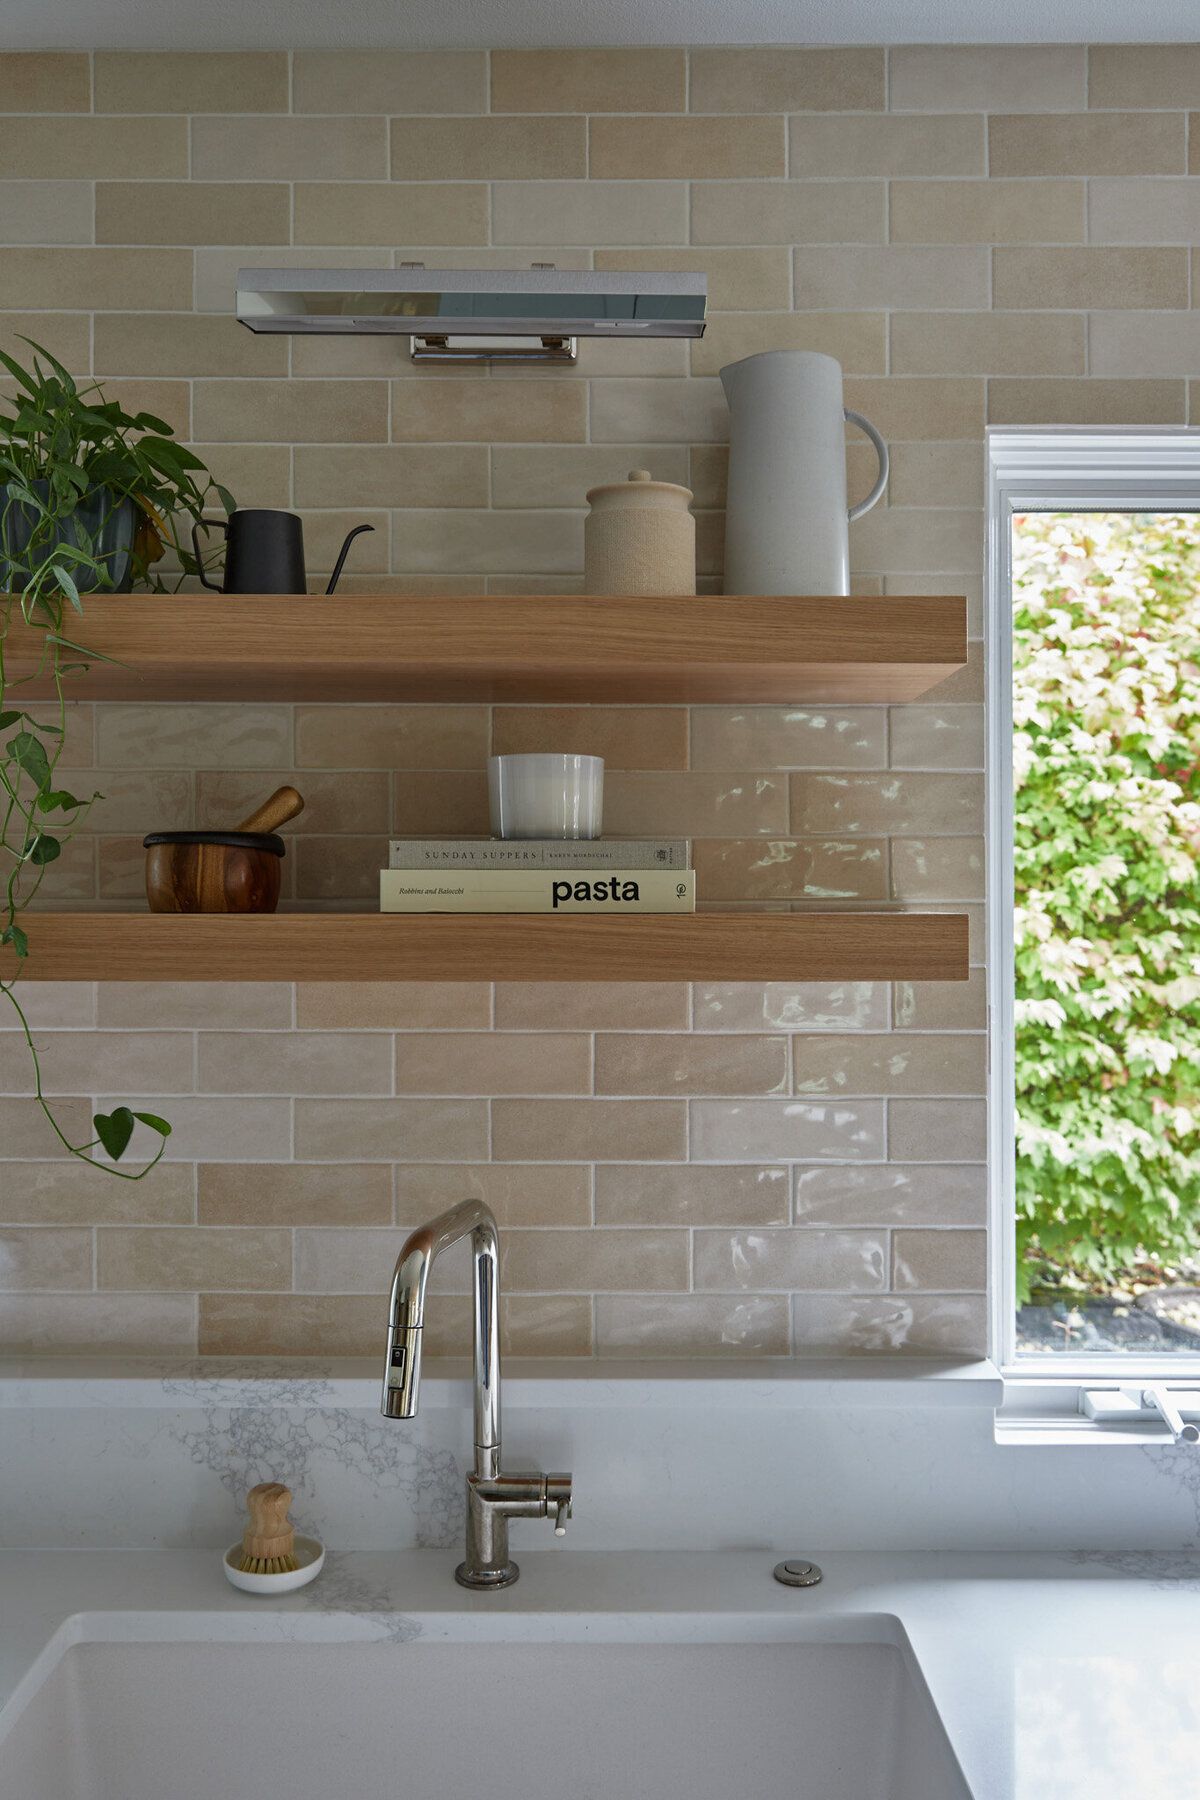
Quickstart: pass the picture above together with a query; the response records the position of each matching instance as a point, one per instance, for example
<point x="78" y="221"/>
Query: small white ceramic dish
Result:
<point x="309" y="1554"/>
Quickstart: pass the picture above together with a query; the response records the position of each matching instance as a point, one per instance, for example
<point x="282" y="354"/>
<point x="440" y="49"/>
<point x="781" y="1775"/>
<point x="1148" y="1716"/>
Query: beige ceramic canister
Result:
<point x="639" y="538"/>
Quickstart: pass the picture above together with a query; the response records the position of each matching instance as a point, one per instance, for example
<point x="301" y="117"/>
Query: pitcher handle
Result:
<point x="220" y="525"/>
<point x="881" y="450"/>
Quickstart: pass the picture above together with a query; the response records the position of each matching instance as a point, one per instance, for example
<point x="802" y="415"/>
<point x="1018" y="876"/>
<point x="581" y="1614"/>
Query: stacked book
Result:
<point x="538" y="875"/>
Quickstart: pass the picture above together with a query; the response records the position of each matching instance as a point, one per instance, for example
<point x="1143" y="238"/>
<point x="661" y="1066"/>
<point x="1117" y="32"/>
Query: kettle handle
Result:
<point x="337" y="567"/>
<point x="219" y="525"/>
<point x="881" y="450"/>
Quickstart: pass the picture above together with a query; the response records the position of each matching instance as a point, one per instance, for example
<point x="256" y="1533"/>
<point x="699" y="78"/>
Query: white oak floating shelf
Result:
<point x="471" y="647"/>
<point x="511" y="947"/>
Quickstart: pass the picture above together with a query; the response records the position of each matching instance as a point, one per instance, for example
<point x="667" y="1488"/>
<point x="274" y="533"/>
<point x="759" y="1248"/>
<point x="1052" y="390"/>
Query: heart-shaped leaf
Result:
<point x="57" y="800"/>
<point x="28" y="752"/>
<point x="155" y="1123"/>
<point x="114" y="1130"/>
<point x="45" y="850"/>
<point x="12" y="934"/>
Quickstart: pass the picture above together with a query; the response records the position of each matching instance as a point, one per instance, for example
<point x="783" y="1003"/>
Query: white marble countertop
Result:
<point x="1076" y="1678"/>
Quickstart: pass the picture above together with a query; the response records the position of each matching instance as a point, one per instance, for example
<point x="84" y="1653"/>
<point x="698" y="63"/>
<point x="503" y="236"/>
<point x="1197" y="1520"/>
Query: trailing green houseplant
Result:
<point x="89" y="498"/>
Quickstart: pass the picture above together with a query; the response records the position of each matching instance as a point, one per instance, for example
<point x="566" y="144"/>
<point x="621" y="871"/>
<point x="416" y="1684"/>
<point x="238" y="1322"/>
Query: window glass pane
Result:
<point x="1106" y="762"/>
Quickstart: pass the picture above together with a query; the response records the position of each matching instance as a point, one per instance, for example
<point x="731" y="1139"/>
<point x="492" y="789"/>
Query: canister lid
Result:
<point x="640" y="489"/>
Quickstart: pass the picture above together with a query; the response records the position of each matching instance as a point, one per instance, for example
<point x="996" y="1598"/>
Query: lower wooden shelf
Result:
<point x="509" y="947"/>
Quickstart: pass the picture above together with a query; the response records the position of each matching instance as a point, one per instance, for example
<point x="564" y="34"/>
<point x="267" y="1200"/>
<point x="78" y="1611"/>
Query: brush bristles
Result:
<point x="268" y="1565"/>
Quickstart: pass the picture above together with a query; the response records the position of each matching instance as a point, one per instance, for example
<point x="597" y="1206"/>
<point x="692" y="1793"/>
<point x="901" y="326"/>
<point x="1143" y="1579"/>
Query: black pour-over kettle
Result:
<point x="264" y="552"/>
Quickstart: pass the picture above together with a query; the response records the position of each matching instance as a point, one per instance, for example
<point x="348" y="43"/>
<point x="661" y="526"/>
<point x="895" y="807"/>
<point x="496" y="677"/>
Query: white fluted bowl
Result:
<point x="308" y="1552"/>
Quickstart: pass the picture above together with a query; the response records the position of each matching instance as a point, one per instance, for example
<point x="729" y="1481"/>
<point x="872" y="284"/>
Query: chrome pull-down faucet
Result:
<point x="493" y="1498"/>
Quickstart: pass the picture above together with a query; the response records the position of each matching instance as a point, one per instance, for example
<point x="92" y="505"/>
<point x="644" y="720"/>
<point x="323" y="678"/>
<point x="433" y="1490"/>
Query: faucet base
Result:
<point x="487" y="1578"/>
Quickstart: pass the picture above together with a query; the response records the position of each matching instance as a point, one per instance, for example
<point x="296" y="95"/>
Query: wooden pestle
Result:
<point x="285" y="803"/>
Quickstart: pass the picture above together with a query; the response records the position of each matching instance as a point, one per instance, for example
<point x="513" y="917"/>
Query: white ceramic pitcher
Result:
<point x="786" y="514"/>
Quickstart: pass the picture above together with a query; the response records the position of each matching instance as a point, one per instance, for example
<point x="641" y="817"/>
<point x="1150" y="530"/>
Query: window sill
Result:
<point x="767" y="1385"/>
<point x="1048" y="1412"/>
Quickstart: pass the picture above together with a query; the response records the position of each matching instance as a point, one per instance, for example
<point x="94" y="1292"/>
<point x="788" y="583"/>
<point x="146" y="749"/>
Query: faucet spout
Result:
<point x="406" y="1321"/>
<point x="493" y="1498"/>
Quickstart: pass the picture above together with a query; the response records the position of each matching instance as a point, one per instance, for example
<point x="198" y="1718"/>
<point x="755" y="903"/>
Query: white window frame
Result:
<point x="1049" y="469"/>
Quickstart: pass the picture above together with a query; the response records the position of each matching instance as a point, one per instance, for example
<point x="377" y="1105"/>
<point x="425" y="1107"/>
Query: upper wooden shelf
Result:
<point x="490" y="947"/>
<point x="703" y="648"/>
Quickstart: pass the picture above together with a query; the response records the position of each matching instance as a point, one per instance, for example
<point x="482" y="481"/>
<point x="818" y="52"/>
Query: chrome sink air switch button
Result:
<point x="797" y="1573"/>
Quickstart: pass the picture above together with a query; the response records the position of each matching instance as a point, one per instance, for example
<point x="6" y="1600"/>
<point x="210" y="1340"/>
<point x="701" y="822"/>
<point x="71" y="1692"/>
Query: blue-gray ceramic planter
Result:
<point x="101" y="524"/>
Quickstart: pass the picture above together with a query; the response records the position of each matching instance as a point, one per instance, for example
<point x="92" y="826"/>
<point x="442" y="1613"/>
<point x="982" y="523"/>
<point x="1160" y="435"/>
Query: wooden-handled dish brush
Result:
<point x="268" y="1540"/>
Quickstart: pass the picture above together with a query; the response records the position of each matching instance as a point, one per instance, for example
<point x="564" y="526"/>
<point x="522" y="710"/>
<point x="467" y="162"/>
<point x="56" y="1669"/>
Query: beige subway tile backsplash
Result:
<point x="691" y="1325"/>
<point x="921" y="1063"/>
<point x="589" y="1130"/>
<point x="778" y="79"/>
<point x="324" y="1062"/>
<point x="626" y="1261"/>
<point x="48" y="1193"/>
<point x="1095" y="401"/>
<point x="46" y="212"/>
<point x="589" y="81"/>
<point x="288" y="1194"/>
<point x="188" y="212"/>
<point x="117" y="1325"/>
<point x="538" y="1062"/>
<point x="1148" y="76"/>
<point x="1088" y="278"/>
<point x="892" y="1193"/>
<point x="849" y="1261"/>
<point x="491" y="149"/>
<point x="886" y="145"/>
<point x="1109" y="143"/>
<point x="478" y="410"/>
<point x="1126" y="211"/>
<point x="389" y="81"/>
<point x="347" y="212"/>
<point x="212" y="81"/>
<point x="162" y="1259"/>
<point x="951" y="1260"/>
<point x="246" y="148"/>
<point x="988" y="212"/>
<point x="988" y="78"/>
<point x="792" y="1006"/>
<point x="93" y="148"/>
<point x="789" y="212"/>
<point x="943" y="804"/>
<point x="629" y="149"/>
<point x="903" y="277"/>
<point x="254" y="411"/>
<point x="163" y="344"/>
<point x="44" y="82"/>
<point x="590" y="212"/>
<point x="857" y="340"/>
<point x="632" y="1063"/>
<point x="103" y="278"/>
<point x="391" y="1130"/>
<point x="798" y="1131"/>
<point x="525" y="1194"/>
<point x="957" y="344"/>
<point x="44" y="1257"/>
<point x="648" y="1194"/>
<point x="977" y="233"/>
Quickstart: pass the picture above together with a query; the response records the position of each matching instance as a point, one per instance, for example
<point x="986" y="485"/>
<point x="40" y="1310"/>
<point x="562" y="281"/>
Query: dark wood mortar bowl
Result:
<point x="213" y="871"/>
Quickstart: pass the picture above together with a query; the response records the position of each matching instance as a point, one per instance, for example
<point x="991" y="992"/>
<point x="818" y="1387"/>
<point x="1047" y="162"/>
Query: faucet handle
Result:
<point x="559" y="1501"/>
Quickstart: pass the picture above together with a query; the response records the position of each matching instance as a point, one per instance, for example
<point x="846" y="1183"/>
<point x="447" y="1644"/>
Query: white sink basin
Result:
<point x="432" y="1720"/>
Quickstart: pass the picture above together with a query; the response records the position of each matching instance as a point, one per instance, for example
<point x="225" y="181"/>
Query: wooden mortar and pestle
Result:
<point x="221" y="871"/>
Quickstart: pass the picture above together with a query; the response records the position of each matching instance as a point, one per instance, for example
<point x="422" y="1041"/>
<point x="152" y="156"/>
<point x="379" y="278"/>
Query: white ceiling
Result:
<point x="429" y="24"/>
